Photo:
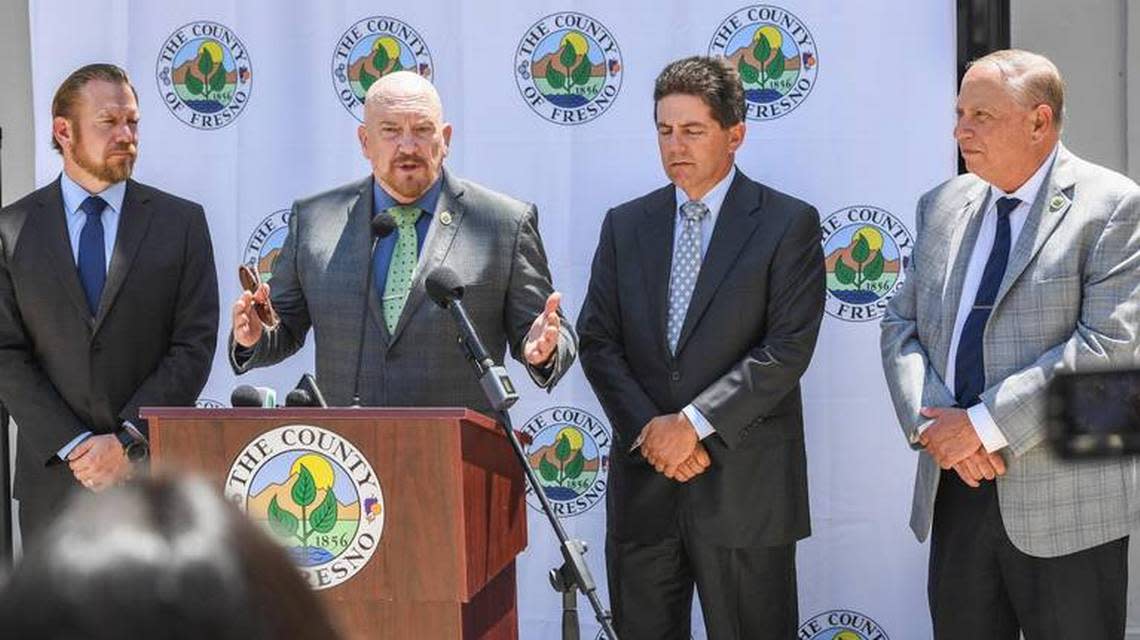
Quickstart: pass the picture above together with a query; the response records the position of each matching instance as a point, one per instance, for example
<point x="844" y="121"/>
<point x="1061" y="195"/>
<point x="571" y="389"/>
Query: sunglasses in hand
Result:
<point x="250" y="282"/>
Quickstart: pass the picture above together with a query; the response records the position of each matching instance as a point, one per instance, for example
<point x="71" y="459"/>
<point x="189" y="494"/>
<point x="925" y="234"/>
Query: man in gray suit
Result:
<point x="409" y="352"/>
<point x="1026" y="266"/>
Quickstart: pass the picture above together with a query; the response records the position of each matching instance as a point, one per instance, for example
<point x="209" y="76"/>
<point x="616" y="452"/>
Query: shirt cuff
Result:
<point x="240" y="355"/>
<point x="700" y="422"/>
<point x="542" y="374"/>
<point x="70" y="446"/>
<point x="992" y="438"/>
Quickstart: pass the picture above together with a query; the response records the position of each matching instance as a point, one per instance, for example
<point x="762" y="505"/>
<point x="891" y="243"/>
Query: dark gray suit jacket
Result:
<point x="150" y="344"/>
<point x="491" y="242"/>
<point x="748" y="337"/>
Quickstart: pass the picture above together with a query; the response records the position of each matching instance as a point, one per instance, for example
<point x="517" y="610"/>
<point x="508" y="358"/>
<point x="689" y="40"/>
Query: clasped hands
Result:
<point x="954" y="444"/>
<point x="99" y="462"/>
<point x="671" y="445"/>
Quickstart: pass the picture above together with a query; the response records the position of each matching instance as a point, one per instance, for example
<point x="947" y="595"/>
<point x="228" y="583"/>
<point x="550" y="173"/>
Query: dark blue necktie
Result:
<point x="970" y="366"/>
<point x="92" y="254"/>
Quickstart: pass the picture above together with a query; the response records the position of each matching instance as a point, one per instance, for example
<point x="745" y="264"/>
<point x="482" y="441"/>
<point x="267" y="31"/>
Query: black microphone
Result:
<point x="306" y="394"/>
<point x="445" y="289"/>
<point x="381" y="226"/>
<point x="249" y="396"/>
<point x="299" y="398"/>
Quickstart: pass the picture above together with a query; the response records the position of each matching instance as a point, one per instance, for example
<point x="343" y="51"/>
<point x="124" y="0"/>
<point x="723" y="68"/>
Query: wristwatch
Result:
<point x="135" y="444"/>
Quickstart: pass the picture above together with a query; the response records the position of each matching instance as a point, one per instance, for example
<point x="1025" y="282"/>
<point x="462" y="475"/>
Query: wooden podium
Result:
<point x="453" y="507"/>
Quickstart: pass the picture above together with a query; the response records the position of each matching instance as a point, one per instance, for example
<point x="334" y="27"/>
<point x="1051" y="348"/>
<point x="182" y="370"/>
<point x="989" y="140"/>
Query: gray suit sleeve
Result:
<point x="1106" y="336"/>
<point x="912" y="380"/>
<point x="530" y="285"/>
<point x="288" y="301"/>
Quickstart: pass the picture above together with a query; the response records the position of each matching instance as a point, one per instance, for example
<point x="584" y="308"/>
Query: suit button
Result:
<point x="96" y="346"/>
<point x="675" y="376"/>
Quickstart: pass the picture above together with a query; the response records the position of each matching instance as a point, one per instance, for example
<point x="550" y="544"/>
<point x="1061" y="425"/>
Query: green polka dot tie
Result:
<point x="402" y="266"/>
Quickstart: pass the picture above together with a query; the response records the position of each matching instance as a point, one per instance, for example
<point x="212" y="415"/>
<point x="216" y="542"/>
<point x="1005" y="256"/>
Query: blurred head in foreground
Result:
<point x="167" y="559"/>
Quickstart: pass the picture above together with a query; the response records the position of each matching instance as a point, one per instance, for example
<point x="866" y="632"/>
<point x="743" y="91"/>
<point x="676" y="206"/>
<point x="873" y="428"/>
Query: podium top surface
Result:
<point x="331" y="413"/>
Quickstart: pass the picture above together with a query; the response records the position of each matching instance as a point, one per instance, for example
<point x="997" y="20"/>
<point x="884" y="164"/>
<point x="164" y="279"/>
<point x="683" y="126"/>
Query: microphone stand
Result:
<point x="574" y="574"/>
<point x="7" y="538"/>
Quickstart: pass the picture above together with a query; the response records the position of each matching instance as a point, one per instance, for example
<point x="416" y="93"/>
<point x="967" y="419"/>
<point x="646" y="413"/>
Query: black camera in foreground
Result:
<point x="1094" y="414"/>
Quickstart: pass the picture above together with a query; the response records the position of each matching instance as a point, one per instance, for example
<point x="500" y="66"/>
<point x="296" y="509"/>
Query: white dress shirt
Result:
<point x="988" y="431"/>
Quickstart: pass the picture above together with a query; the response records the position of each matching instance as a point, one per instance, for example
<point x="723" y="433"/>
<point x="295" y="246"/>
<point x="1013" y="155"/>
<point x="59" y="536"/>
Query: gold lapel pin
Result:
<point x="445" y="218"/>
<point x="1056" y="203"/>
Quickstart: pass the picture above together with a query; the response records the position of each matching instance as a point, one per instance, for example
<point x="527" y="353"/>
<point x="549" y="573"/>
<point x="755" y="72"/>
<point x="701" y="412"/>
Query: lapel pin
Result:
<point x="445" y="218"/>
<point x="1056" y="203"/>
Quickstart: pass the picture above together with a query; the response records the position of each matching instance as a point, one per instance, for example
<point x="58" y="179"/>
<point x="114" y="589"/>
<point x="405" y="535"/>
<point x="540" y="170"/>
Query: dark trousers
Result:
<point x="982" y="586"/>
<point x="35" y="518"/>
<point x="746" y="594"/>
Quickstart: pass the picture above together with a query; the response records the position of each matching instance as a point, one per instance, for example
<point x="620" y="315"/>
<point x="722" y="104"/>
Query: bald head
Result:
<point x="403" y="89"/>
<point x="404" y="135"/>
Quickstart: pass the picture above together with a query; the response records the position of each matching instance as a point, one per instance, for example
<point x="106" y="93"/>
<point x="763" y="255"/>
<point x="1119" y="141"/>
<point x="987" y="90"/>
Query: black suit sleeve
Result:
<point x="24" y="387"/>
<point x="600" y="331"/>
<point x="752" y="388"/>
<point x="183" y="371"/>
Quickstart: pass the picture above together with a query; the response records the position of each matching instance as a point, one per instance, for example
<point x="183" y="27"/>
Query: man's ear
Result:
<point x="446" y="138"/>
<point x="736" y="135"/>
<point x="362" y="136"/>
<point x="63" y="132"/>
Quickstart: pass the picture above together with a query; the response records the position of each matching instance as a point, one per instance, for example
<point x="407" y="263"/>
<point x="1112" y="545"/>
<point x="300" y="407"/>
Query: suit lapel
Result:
<point x="966" y="226"/>
<point x="134" y="220"/>
<point x="52" y="222"/>
<point x="358" y="227"/>
<point x="1048" y="210"/>
<point x="737" y="220"/>
<point x="437" y="245"/>
<point x="655" y="241"/>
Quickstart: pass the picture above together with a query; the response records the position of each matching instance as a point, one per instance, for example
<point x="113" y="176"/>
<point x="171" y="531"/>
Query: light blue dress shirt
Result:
<point x="714" y="199"/>
<point x="73" y="197"/>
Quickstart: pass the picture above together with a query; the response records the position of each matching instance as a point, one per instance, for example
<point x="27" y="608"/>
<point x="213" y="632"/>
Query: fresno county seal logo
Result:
<point x="371" y="49"/>
<point x="841" y="624"/>
<point x="265" y="244"/>
<point x="866" y="251"/>
<point x="204" y="75"/>
<point x="569" y="449"/>
<point x="316" y="493"/>
<point x="775" y="55"/>
<point x="568" y="68"/>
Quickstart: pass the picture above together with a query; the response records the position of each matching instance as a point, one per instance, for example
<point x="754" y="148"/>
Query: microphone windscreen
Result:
<point x="443" y="286"/>
<point x="299" y="398"/>
<point x="383" y="225"/>
<point x="309" y="384"/>
<point x="245" y="396"/>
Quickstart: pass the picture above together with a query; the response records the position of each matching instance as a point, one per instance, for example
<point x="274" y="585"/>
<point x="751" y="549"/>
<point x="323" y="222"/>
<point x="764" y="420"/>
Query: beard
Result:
<point x="410" y="186"/>
<point x="112" y="171"/>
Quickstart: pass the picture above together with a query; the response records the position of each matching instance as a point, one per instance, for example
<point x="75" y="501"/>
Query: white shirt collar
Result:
<point x="714" y="198"/>
<point x="1027" y="193"/>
